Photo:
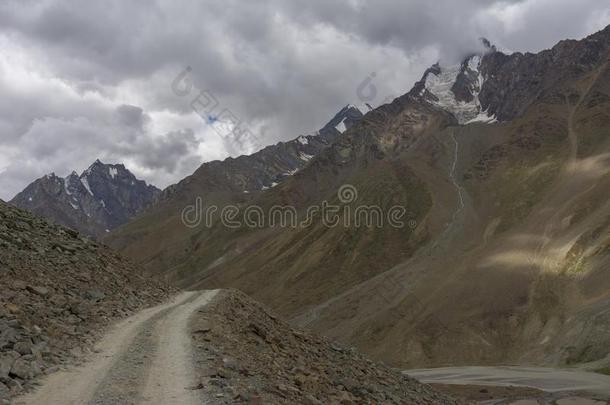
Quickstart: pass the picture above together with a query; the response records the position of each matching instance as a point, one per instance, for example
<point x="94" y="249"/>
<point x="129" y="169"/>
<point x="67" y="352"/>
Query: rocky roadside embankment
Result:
<point x="58" y="292"/>
<point x="246" y="355"/>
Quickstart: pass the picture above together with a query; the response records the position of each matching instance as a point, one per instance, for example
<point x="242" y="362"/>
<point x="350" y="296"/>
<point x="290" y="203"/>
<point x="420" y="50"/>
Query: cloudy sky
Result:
<point x="81" y="80"/>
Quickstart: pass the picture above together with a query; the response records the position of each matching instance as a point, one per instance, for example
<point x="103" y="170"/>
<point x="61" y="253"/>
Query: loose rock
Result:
<point x="257" y="358"/>
<point x="59" y="292"/>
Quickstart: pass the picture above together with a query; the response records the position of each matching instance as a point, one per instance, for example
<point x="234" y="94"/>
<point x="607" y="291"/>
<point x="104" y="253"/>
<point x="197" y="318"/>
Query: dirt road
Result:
<point x="144" y="359"/>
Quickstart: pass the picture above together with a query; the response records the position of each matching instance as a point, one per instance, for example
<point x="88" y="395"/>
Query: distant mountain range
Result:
<point x="268" y="167"/>
<point x="106" y="196"/>
<point x="98" y="200"/>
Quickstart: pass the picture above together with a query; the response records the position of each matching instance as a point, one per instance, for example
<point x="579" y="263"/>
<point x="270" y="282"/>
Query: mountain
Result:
<point x="501" y="165"/>
<point x="103" y="197"/>
<point x="106" y="196"/>
<point x="219" y="182"/>
<point x="455" y="89"/>
<point x="58" y="291"/>
<point x="268" y="167"/>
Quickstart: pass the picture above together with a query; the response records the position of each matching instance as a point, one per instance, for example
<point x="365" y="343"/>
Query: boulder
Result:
<point x="23" y="347"/>
<point x="8" y="335"/>
<point x="38" y="290"/>
<point x="26" y="369"/>
<point x="4" y="391"/>
<point x="95" y="295"/>
<point x="7" y="360"/>
<point x="23" y="369"/>
<point x="14" y="386"/>
<point x="58" y="300"/>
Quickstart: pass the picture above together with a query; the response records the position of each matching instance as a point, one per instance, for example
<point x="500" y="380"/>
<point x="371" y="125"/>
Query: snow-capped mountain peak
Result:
<point x="102" y="197"/>
<point x="456" y="88"/>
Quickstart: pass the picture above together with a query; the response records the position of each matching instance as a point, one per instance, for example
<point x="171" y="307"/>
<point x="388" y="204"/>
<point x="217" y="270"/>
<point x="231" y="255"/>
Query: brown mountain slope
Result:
<point x="521" y="274"/>
<point x="505" y="253"/>
<point x="301" y="257"/>
<point x="268" y="362"/>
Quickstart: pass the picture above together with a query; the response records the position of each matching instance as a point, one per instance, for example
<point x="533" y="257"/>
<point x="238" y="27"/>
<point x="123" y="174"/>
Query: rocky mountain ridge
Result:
<point x="106" y="196"/>
<point x="491" y="85"/>
<point x="268" y="167"/>
<point x="101" y="198"/>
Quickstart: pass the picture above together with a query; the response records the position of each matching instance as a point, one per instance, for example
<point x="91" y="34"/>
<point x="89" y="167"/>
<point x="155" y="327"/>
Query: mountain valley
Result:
<point x="506" y="260"/>
<point x="450" y="246"/>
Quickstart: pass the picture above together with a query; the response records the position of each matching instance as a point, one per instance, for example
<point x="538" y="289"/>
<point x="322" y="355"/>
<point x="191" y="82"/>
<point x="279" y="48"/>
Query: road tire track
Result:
<point x="143" y="359"/>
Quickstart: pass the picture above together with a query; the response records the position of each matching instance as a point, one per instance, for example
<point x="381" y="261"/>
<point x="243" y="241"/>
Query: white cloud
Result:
<point x="94" y="79"/>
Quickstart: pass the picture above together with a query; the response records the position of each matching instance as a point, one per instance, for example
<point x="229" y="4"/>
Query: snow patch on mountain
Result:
<point x="474" y="63"/>
<point x="440" y="86"/>
<point x="85" y="184"/>
<point x="362" y="108"/>
<point x="305" y="156"/>
<point x="66" y="186"/>
<point x="341" y="127"/>
<point x="112" y="171"/>
<point x="483" y="117"/>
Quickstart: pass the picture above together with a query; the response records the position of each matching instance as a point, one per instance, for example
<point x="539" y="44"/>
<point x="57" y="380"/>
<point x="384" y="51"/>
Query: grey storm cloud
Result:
<point x="131" y="116"/>
<point x="86" y="80"/>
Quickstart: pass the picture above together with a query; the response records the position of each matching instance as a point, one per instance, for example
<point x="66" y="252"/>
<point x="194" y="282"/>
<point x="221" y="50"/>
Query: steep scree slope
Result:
<point x="247" y="355"/>
<point x="58" y="290"/>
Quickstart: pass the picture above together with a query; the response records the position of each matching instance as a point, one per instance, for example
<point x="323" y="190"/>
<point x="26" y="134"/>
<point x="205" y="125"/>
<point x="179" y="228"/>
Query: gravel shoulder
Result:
<point x="143" y="359"/>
